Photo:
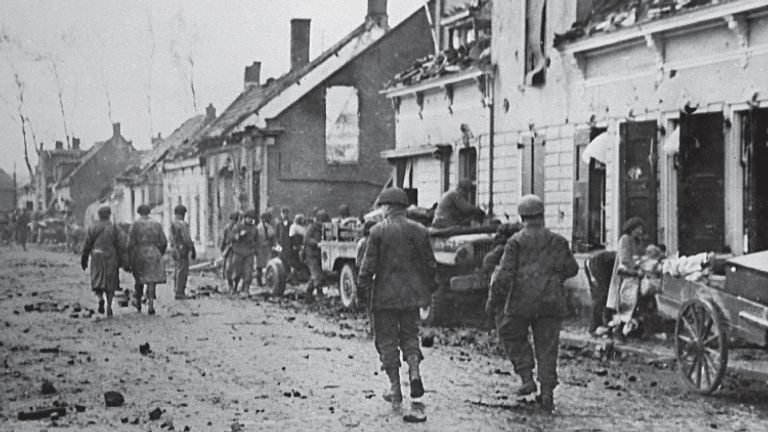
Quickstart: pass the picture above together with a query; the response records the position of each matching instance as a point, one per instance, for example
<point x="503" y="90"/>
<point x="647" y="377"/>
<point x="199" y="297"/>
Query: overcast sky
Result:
<point x="133" y="55"/>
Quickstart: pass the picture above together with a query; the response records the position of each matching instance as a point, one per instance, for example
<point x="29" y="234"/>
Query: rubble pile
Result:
<point x="477" y="53"/>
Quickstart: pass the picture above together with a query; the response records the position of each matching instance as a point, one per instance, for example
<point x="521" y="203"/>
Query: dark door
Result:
<point x="588" y="195"/>
<point x="755" y="158"/>
<point x="637" y="170"/>
<point x="256" y="188"/>
<point x="700" y="186"/>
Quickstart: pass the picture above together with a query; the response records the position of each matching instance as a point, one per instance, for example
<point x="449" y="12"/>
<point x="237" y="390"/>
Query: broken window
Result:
<point x="535" y="40"/>
<point x="588" y="195"/>
<point x="342" y="132"/>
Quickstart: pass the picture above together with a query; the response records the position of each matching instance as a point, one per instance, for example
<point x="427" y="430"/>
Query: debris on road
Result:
<point x="42" y="413"/>
<point x="47" y="388"/>
<point x="155" y="414"/>
<point x="414" y="418"/>
<point x="144" y="349"/>
<point x="113" y="399"/>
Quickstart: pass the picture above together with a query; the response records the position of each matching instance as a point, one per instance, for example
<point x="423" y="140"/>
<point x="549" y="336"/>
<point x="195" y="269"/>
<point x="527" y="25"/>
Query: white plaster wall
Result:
<point x="705" y="67"/>
<point x="188" y="183"/>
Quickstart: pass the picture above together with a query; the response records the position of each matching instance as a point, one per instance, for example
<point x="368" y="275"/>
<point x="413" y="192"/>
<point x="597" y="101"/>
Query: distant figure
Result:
<point x="182" y="250"/>
<point x="283" y="236"/>
<point x="454" y="208"/>
<point x="266" y="242"/>
<point x="21" y="227"/>
<point x="345" y="216"/>
<point x="105" y="245"/>
<point x="312" y="253"/>
<point x="146" y="246"/>
<point x="244" y="246"/>
<point x="226" y="247"/>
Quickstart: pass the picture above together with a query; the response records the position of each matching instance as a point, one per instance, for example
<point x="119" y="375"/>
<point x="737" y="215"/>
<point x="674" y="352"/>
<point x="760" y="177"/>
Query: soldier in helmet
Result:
<point x="244" y="247"/>
<point x="182" y="249"/>
<point x="454" y="208"/>
<point x="527" y="293"/>
<point x="312" y="256"/>
<point x="146" y="246"/>
<point x="104" y="243"/>
<point x="226" y="246"/>
<point x="400" y="258"/>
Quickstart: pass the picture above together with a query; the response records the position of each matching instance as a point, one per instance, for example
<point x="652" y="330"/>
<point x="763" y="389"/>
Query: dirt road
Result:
<point x="219" y="364"/>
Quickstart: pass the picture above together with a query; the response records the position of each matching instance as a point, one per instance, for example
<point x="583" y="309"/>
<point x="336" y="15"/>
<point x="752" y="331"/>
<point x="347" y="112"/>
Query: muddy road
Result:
<point x="221" y="364"/>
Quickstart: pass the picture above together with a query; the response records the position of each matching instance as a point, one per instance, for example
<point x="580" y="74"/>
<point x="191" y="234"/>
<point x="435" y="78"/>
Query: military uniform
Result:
<point x="146" y="246"/>
<point x="453" y="209"/>
<point x="266" y="240"/>
<point x="399" y="256"/>
<point x="312" y="256"/>
<point x="104" y="243"/>
<point x="226" y="247"/>
<point x="21" y="228"/>
<point x="527" y="292"/>
<point x="244" y="243"/>
<point x="182" y="248"/>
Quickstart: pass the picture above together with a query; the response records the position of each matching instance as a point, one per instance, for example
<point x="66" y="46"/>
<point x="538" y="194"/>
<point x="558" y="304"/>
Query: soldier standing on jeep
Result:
<point x="527" y="292"/>
<point x="454" y="208"/>
<point x="400" y="257"/>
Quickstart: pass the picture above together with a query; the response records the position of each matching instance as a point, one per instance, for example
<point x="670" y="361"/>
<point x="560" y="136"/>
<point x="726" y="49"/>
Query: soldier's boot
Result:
<point x="414" y="376"/>
<point x="100" y="294"/>
<point x="109" y="303"/>
<point x="394" y="394"/>
<point x="150" y="306"/>
<point x="259" y="278"/>
<point x="546" y="400"/>
<point x="528" y="386"/>
<point x="138" y="292"/>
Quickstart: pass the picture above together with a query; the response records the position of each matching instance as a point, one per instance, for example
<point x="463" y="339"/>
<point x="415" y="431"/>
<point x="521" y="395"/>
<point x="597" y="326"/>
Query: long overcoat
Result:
<point x="146" y="246"/>
<point x="105" y="244"/>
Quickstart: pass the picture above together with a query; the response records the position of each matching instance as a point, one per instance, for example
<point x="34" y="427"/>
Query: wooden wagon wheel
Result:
<point x="701" y="345"/>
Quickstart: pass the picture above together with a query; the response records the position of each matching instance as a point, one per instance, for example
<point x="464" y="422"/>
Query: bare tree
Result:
<point x="59" y="90"/>
<point x="20" y="88"/>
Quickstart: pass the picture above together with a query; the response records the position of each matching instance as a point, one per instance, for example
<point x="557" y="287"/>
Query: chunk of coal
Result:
<point x="124" y="420"/>
<point x="41" y="413"/>
<point x="80" y="408"/>
<point x="155" y="414"/>
<point x="51" y="350"/>
<point x="29" y="307"/>
<point x="113" y="399"/>
<point x="414" y="418"/>
<point x="47" y="388"/>
<point x="601" y="372"/>
<point x="144" y="349"/>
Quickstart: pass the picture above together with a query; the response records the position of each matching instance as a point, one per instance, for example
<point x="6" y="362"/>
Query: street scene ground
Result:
<point x="219" y="364"/>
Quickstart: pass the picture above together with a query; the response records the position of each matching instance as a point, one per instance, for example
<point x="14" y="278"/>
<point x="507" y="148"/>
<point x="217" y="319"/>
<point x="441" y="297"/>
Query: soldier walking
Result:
<point x="312" y="255"/>
<point x="399" y="257"/>
<point x="527" y="293"/>
<point x="226" y="247"/>
<point x="21" y="227"/>
<point x="104" y="244"/>
<point x="182" y="249"/>
<point x="146" y="246"/>
<point x="266" y="241"/>
<point x="244" y="244"/>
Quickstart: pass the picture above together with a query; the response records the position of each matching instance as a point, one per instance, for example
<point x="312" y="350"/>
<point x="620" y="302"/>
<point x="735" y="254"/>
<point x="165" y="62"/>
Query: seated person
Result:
<point x="454" y="208"/>
<point x="650" y="267"/>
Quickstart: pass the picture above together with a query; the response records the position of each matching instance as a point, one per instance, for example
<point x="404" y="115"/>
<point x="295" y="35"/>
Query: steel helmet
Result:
<point x="180" y="210"/>
<point x="250" y="214"/>
<point x="144" y="210"/>
<point x="394" y="196"/>
<point x="530" y="205"/>
<point x="104" y="212"/>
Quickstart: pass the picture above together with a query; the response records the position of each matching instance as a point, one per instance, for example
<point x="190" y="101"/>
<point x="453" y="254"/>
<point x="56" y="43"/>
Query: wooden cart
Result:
<point x="712" y="315"/>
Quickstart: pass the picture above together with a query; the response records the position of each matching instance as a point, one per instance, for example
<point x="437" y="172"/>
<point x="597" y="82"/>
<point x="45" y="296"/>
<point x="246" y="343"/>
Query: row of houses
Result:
<point x="606" y="108"/>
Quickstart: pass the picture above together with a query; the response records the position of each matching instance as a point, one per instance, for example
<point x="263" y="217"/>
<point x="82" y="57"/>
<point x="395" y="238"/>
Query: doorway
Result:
<point x="468" y="169"/>
<point x="755" y="160"/>
<point x="637" y="175"/>
<point x="700" y="183"/>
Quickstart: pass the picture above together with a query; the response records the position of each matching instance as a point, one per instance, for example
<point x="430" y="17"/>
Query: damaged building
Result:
<point x="652" y="108"/>
<point x="311" y="137"/>
<point x="444" y="129"/>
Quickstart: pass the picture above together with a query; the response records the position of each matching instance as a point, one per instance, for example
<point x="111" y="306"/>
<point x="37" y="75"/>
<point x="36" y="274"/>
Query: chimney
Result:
<point x="156" y="140"/>
<point x="299" y="43"/>
<point x="115" y="130"/>
<point x="377" y="13"/>
<point x="253" y="74"/>
<point x="59" y="145"/>
<point x="210" y="111"/>
<point x="75" y="143"/>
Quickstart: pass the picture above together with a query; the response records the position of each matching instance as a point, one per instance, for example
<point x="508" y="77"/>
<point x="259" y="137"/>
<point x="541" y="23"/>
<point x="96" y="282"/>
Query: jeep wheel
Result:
<point x="348" y="286"/>
<point x="274" y="276"/>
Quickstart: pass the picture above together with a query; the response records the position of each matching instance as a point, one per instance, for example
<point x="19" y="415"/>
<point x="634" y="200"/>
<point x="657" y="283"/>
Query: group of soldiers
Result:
<point x="139" y="253"/>
<point x="526" y="289"/>
<point x="15" y="227"/>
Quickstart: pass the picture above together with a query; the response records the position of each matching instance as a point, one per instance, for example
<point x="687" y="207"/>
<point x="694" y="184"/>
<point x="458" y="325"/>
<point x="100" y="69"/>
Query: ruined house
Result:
<point x="7" y="191"/>
<point x="443" y="109"/>
<point x="311" y="137"/>
<point x="52" y="166"/>
<point x="652" y="108"/>
<point x="92" y="177"/>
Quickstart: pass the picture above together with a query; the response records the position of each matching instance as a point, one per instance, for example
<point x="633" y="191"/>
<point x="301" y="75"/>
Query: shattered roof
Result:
<point x="255" y="97"/>
<point x="611" y="15"/>
<point x="448" y="62"/>
<point x="88" y="156"/>
<point x="175" y="142"/>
